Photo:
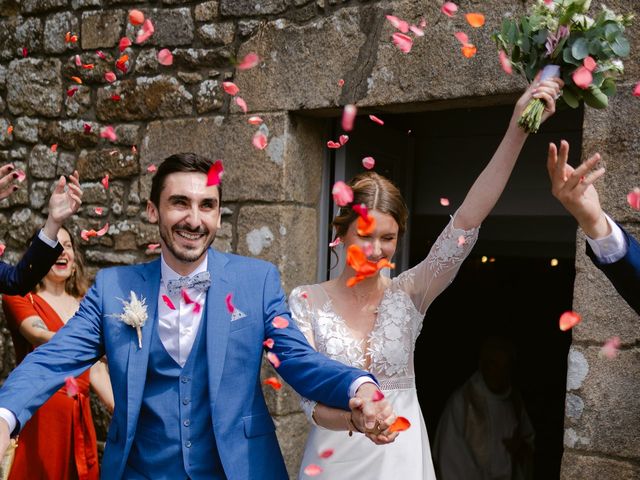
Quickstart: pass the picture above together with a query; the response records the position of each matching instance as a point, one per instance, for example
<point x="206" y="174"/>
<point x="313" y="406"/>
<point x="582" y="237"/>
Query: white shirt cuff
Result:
<point x="611" y="248"/>
<point x="47" y="240"/>
<point x="358" y="382"/>
<point x="8" y="417"/>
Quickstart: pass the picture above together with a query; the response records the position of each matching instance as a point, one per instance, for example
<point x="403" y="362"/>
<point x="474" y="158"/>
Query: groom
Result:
<point x="188" y="398"/>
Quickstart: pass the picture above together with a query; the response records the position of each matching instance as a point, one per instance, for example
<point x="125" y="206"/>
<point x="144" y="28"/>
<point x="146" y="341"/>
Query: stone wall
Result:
<point x="271" y="196"/>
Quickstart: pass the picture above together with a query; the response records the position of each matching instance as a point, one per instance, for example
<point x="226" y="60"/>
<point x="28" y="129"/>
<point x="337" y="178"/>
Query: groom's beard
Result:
<point x="183" y="253"/>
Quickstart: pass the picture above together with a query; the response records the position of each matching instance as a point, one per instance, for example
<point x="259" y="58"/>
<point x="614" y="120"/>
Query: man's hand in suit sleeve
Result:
<point x="372" y="417"/>
<point x="574" y="189"/>
<point x="63" y="203"/>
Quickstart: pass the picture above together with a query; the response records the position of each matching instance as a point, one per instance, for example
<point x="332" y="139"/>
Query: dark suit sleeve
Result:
<point x="625" y="273"/>
<point x="33" y="266"/>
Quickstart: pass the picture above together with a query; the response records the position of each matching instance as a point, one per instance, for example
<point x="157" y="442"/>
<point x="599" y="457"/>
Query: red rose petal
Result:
<point x="105" y="181"/>
<point x="123" y="44"/>
<point x="269" y="343"/>
<point x="326" y="453"/>
<point x="136" y="17"/>
<point x="636" y="90"/>
<point x="168" y="302"/>
<point x="215" y="173"/>
<point x="377" y="396"/>
<point x="2" y="248"/>
<point x="273" y="382"/>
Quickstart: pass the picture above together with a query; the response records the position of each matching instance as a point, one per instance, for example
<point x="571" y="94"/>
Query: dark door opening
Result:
<point x="515" y="292"/>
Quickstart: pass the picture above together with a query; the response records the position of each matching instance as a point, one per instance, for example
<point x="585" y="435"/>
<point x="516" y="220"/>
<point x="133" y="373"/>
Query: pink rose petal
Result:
<point x="280" y="322"/>
<point x="103" y="230"/>
<point x="348" y="117"/>
<point x="335" y="243"/>
<point x="341" y="83"/>
<point x="633" y="198"/>
<point x="343" y="139"/>
<point x="269" y="343"/>
<point x="228" y="301"/>
<point x="582" y="77"/>
<point x="273" y="358"/>
<point x="216" y="170"/>
<point x="249" y="61"/>
<point x="98" y="210"/>
<point x="342" y="194"/>
<point x="168" y="302"/>
<point x="589" y="63"/>
<point x="109" y="133"/>
<point x="165" y="57"/>
<point x="636" y="90"/>
<point x="259" y="140"/>
<point x="377" y="396"/>
<point x="110" y="77"/>
<point x="449" y="9"/>
<point x="610" y="348"/>
<point x="21" y="176"/>
<point x="462" y="38"/>
<point x="105" y="181"/>
<point x="444" y="202"/>
<point x="145" y="32"/>
<point x="398" y="24"/>
<point x="312" y="470"/>
<point x="326" y="453"/>
<point x="230" y="88"/>
<point x="241" y="103"/>
<point x="368" y="162"/>
<point x="418" y="32"/>
<point x="461" y="240"/>
<point x="403" y="42"/>
<point x="124" y="44"/>
<point x="505" y="63"/>
<point x="153" y="246"/>
<point x="151" y="168"/>
<point x="332" y="144"/>
<point x="375" y="119"/>
<point x="78" y="61"/>
<point x="255" y="120"/>
<point x="2" y="248"/>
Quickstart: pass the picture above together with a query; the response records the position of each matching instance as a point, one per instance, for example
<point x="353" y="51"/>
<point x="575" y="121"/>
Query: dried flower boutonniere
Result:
<point x="134" y="314"/>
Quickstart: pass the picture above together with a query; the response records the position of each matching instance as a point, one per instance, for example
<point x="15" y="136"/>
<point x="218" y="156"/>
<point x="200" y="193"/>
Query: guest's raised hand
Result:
<point x="63" y="203"/>
<point x="573" y="187"/>
<point x="7" y="176"/>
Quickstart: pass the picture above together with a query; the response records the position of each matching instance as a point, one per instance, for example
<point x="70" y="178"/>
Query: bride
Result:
<point x="374" y="324"/>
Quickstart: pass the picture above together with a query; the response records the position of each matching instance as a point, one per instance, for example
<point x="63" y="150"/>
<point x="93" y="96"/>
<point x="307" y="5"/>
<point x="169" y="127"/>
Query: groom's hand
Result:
<point x="4" y="437"/>
<point x="372" y="417"/>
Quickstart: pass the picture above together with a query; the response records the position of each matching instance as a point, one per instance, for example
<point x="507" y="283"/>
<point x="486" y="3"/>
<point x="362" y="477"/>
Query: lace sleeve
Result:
<point x="301" y="314"/>
<point x="424" y="282"/>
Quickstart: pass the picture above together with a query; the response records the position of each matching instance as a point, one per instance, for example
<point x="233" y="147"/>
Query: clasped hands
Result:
<point x="372" y="418"/>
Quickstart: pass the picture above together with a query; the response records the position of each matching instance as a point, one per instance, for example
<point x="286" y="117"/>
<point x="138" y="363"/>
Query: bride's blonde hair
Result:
<point x="377" y="193"/>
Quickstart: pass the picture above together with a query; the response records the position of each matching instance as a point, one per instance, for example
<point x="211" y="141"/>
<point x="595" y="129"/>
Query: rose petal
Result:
<point x="366" y="226"/>
<point x="78" y="61"/>
<point x="475" y="19"/>
<point x="100" y="54"/>
<point x="259" y="140"/>
<point x="361" y="209"/>
<point x="461" y="240"/>
<point x="368" y="162"/>
<point x="280" y="322"/>
<point x="197" y="307"/>
<point x="145" y="32"/>
<point x="153" y="246"/>
<point x="341" y="83"/>
<point x="21" y="176"/>
<point x="269" y="343"/>
<point x="569" y="320"/>
<point x="103" y="230"/>
<point x="216" y="170"/>
<point x="312" y="470"/>
<point x="505" y="62"/>
<point x="231" y="88"/>
<point x="377" y="396"/>
<point x="273" y="358"/>
<point x="343" y="139"/>
<point x="332" y="144"/>
<point x="400" y="425"/>
<point x="71" y="386"/>
<point x="87" y="128"/>
<point x="185" y="296"/>
<point x="25" y="52"/>
<point x="398" y="24"/>
<point x="105" y="181"/>
<point x="462" y="38"/>
<point x="589" y="63"/>
<point x="273" y="382"/>
<point x="136" y="17"/>
<point x="469" y="50"/>
<point x="165" y="57"/>
<point x="168" y="302"/>
<point x="2" y="248"/>
<point x="110" y="77"/>
<point x="342" y="193"/>
<point x="403" y="42"/>
<point x="449" y="9"/>
<point x="152" y="168"/>
<point x="633" y="198"/>
<point x="444" y="202"/>
<point x="77" y="80"/>
<point x="255" y="120"/>
<point x="241" y="103"/>
<point x="72" y="91"/>
<point x="335" y="243"/>
<point x="636" y="90"/>
<point x="249" y="61"/>
<point x="123" y="44"/>
<point x="326" y="453"/>
<point x="375" y="119"/>
<point x="348" y="117"/>
<point x="418" y="32"/>
<point x="98" y="210"/>
<point x="116" y="98"/>
<point x="87" y="234"/>
<point x="582" y="77"/>
<point x="229" y="303"/>
<point x="610" y="348"/>
<point x="109" y="133"/>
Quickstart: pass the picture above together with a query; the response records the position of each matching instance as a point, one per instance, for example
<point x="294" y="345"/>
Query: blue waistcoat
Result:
<point x="174" y="436"/>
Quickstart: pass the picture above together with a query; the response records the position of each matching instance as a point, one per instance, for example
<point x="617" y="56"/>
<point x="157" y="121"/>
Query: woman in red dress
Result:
<point x="60" y="440"/>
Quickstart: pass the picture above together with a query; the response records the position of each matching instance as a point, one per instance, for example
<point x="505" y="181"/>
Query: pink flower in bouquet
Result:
<point x="582" y="77"/>
<point x="554" y="39"/>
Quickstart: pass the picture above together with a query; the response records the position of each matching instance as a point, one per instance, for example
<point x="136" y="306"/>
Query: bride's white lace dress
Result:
<point x="387" y="352"/>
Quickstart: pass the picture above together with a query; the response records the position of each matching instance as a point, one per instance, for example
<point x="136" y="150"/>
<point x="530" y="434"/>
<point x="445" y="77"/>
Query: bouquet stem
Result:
<point x="531" y="118"/>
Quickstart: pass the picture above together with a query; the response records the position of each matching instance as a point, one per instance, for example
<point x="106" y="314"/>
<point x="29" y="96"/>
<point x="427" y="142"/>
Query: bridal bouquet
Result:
<point x="559" y="38"/>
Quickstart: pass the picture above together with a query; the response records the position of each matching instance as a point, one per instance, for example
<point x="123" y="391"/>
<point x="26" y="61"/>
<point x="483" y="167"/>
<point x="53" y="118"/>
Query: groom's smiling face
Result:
<point x="188" y="217"/>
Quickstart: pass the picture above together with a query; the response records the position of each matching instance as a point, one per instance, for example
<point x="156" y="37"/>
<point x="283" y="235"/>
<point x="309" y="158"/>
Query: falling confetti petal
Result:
<point x="273" y="382"/>
<point x="231" y="88"/>
<point x="418" y="32"/>
<point x="72" y="91"/>
<point x="168" y="302"/>
<point x="366" y="226"/>
<point x="100" y="54"/>
<point x="88" y="66"/>
<point x="610" y="348"/>
<point x="312" y="470"/>
<point x="568" y="320"/>
<point x="342" y="193"/>
<point x="444" y="202"/>
<point x="78" y="61"/>
<point x="633" y="198"/>
<point x="145" y="32"/>
<point x="228" y="301"/>
<point x="185" y="296"/>
<point x="462" y="38"/>
<point x="2" y="248"/>
<point x="77" y="79"/>
<point x="361" y="209"/>
<point x="469" y="50"/>
<point x="105" y="181"/>
<point x="357" y="260"/>
<point x="341" y="83"/>
<point x="636" y="90"/>
<point x="343" y="139"/>
<point x="70" y="38"/>
<point x="368" y="162"/>
<point x="348" y="117"/>
<point x="87" y="128"/>
<point x="153" y="246"/>
<point x="400" y="425"/>
<point x="461" y="240"/>
<point x="377" y="396"/>
<point x="103" y="230"/>
<point x="269" y="343"/>
<point x="24" y="52"/>
<point x="109" y="133"/>
<point x="136" y="17"/>
<point x="326" y="453"/>
<point x="375" y="119"/>
<point x="110" y="77"/>
<point x="476" y="20"/>
<point x="403" y="42"/>
<point x="332" y="144"/>
<point x="280" y="322"/>
<point x="259" y="140"/>
<point x="335" y="243"/>
<point x="449" y="9"/>
<point x="21" y="176"/>
<point x="273" y="358"/>
<point x="152" y="168"/>
<point x="71" y="386"/>
<point x="582" y="77"/>
<point x="241" y="103"/>
<point x="398" y="24"/>
<point x="54" y="147"/>
<point x="165" y="57"/>
<point x="215" y="173"/>
<point x="249" y="61"/>
<point x="115" y="97"/>
<point x="124" y="44"/>
<point x="505" y="63"/>
<point x="197" y="307"/>
<point x="9" y="129"/>
<point x="255" y="120"/>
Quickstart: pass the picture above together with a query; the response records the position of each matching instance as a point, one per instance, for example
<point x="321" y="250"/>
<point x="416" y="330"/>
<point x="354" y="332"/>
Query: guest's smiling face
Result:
<point x="65" y="264"/>
<point x="188" y="217"/>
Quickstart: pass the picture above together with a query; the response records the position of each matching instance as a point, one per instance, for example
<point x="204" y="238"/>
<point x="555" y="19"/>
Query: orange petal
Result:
<point x="400" y="425"/>
<point x="273" y="382"/>
<point x="366" y="226"/>
<point x="568" y="320"/>
<point x="77" y="79"/>
<point x="269" y="343"/>
<point x="136" y="17"/>
<point x="312" y="470"/>
<point x="469" y="50"/>
<point x="475" y="19"/>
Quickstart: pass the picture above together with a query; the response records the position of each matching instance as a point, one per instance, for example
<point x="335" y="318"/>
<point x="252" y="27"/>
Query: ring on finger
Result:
<point x="558" y="95"/>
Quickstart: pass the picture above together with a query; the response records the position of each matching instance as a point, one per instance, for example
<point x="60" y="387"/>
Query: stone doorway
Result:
<point x="516" y="292"/>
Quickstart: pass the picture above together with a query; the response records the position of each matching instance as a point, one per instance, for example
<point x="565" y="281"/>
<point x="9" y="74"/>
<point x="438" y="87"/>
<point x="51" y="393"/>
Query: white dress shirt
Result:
<point x="178" y="328"/>
<point x="611" y="248"/>
<point x="42" y="236"/>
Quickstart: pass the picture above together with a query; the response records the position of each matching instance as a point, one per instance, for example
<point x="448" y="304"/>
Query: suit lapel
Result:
<point x="218" y="320"/>
<point x="139" y="357"/>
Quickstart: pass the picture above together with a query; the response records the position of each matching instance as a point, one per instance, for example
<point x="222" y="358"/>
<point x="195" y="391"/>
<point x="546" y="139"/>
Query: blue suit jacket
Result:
<point x="33" y="266"/>
<point x="625" y="273"/>
<point x="243" y="428"/>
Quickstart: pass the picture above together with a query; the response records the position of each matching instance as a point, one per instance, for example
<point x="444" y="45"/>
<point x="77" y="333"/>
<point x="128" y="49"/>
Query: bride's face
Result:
<point x="381" y="243"/>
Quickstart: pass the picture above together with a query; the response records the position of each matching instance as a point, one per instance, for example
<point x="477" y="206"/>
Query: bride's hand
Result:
<point x="548" y="91"/>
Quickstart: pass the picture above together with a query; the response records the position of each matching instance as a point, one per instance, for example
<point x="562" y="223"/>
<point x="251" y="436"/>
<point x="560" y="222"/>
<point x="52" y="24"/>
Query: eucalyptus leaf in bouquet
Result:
<point x="588" y="51"/>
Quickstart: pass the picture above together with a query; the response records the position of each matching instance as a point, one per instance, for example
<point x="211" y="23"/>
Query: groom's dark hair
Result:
<point x="179" y="162"/>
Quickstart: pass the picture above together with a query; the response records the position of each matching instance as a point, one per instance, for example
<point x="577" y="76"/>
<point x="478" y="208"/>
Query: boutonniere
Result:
<point x="134" y="314"/>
